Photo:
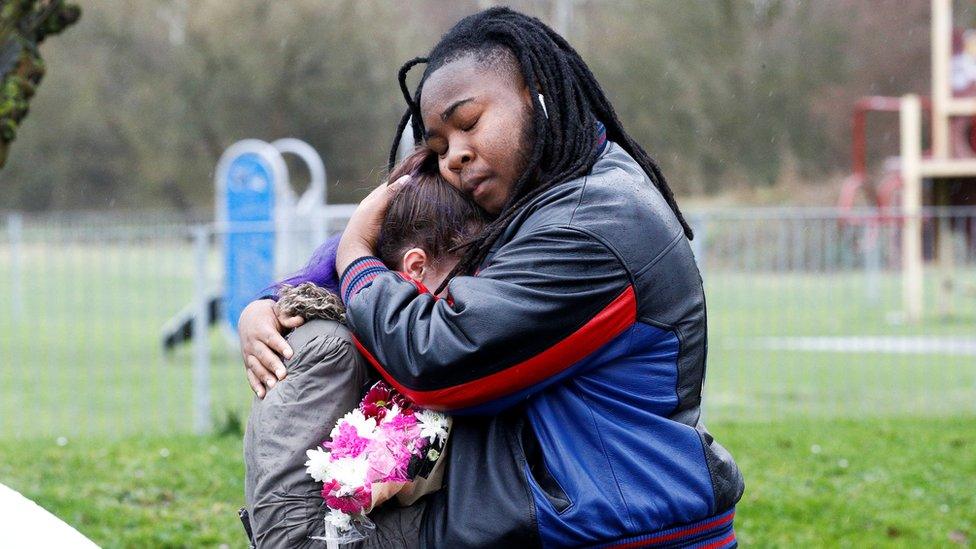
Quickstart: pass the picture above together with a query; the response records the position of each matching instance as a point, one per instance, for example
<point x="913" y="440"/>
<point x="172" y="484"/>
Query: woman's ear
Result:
<point x="414" y="263"/>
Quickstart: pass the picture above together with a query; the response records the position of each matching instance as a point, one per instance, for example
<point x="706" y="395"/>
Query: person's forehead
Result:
<point x="458" y="80"/>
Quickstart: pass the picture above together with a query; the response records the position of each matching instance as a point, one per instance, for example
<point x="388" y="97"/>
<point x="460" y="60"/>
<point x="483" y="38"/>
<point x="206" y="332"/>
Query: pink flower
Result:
<point x="347" y="443"/>
<point x="356" y="502"/>
<point x="328" y="487"/>
<point x="388" y="461"/>
<point x="404" y="421"/>
<point x="382" y="462"/>
<point x="400" y="432"/>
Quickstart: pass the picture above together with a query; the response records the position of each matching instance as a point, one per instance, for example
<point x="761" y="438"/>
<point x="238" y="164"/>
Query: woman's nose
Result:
<point x="459" y="159"/>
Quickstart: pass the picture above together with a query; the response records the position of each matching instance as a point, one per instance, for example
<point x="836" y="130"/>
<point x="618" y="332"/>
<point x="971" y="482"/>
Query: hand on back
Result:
<point x="262" y="344"/>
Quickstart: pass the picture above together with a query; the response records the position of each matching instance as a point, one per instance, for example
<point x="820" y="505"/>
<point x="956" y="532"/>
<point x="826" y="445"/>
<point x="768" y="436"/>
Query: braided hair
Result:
<point x="564" y="130"/>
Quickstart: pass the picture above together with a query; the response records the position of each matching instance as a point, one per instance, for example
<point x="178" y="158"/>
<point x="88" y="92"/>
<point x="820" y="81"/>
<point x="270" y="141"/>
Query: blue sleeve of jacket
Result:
<point x="546" y="300"/>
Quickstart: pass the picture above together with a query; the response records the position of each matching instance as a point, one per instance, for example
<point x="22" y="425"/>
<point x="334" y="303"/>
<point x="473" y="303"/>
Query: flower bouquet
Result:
<point x="375" y="452"/>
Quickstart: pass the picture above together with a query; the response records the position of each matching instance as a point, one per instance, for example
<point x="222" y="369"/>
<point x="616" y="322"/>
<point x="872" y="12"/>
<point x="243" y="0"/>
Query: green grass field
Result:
<point x="81" y="359"/>
<point x="897" y="483"/>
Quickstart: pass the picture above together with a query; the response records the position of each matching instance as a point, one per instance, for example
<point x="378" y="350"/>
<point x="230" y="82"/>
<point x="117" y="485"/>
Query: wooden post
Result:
<point x="911" y="236"/>
<point x="941" y="101"/>
<point x="941" y="90"/>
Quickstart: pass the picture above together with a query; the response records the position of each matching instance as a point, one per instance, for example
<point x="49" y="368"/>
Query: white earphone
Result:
<point x="542" y="101"/>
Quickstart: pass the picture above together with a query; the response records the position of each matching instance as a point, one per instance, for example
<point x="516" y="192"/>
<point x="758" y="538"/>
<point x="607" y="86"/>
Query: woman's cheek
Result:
<point x="505" y="153"/>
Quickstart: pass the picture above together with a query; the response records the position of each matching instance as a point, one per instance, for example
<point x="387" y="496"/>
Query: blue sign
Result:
<point x="249" y="202"/>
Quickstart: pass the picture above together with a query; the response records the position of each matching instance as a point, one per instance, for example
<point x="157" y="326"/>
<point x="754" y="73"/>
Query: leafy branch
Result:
<point x="24" y="24"/>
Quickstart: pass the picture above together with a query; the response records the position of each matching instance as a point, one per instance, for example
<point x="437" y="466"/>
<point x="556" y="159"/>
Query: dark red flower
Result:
<point x="377" y="401"/>
<point x="401" y="401"/>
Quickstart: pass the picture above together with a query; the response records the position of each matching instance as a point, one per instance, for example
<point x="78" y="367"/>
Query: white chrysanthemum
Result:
<point x="318" y="464"/>
<point x="365" y="426"/>
<point x="433" y="425"/>
<point x="339" y="520"/>
<point x="349" y="472"/>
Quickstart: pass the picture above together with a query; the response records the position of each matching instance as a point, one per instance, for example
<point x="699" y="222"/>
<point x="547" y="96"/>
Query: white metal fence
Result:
<point x="805" y="320"/>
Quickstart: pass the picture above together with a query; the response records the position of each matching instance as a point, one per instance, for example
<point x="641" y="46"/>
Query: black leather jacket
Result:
<point x="574" y="363"/>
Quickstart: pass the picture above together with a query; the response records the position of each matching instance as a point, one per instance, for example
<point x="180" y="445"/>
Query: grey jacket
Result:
<point x="326" y="378"/>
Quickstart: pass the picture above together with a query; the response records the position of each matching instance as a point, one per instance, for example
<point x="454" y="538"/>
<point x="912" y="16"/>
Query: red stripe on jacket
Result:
<point x="684" y="532"/>
<point x="616" y="317"/>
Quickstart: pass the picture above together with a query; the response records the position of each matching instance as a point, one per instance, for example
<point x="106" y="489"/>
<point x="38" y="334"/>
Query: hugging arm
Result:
<point x="546" y="300"/>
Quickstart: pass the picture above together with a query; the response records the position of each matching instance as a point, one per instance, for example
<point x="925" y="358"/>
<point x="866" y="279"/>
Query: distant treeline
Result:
<point x="142" y="96"/>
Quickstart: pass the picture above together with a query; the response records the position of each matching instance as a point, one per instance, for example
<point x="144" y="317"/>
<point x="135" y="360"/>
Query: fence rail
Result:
<point x="805" y="319"/>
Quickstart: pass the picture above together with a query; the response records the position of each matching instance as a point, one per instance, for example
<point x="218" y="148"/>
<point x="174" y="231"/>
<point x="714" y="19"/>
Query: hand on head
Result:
<point x="363" y="230"/>
<point x="260" y="326"/>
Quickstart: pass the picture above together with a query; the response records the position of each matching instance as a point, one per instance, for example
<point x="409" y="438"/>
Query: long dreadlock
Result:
<point x="563" y="145"/>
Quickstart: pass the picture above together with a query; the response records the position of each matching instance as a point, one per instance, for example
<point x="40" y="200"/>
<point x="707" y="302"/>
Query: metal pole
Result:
<point x="15" y="232"/>
<point x="201" y="341"/>
<point x="871" y="244"/>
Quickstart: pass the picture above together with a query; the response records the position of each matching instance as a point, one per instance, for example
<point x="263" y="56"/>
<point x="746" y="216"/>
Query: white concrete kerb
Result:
<point x="24" y="524"/>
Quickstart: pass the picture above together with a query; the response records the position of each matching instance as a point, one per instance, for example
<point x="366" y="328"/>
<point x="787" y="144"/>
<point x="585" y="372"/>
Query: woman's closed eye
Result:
<point x="470" y="126"/>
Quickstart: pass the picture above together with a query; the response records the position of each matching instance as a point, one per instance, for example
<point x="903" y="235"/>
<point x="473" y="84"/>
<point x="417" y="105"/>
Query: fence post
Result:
<point x="201" y="340"/>
<point x="871" y="244"/>
<point x="15" y="232"/>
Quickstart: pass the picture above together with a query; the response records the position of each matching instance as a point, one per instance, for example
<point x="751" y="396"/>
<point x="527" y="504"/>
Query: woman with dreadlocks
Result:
<point x="572" y="350"/>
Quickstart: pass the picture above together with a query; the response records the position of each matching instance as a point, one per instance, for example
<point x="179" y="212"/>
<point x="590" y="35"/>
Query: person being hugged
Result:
<point x="327" y="377"/>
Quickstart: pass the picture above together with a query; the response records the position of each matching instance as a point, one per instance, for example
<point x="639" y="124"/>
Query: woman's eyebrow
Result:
<point x="450" y="110"/>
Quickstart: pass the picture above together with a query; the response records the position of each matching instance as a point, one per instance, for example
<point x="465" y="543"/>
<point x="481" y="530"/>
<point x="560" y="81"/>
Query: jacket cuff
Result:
<point x="359" y="275"/>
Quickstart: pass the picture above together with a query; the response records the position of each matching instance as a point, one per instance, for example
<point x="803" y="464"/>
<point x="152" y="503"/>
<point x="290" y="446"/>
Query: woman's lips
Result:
<point x="475" y="186"/>
<point x="480" y="189"/>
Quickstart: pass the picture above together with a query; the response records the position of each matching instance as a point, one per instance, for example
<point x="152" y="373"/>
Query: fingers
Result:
<point x="258" y="376"/>
<point x="383" y="193"/>
<point x="280" y="347"/>
<point x="271" y="362"/>
<point x="260" y="341"/>
<point x="286" y="322"/>
<point x="398" y="183"/>
<point x="255" y="383"/>
<point x="290" y="322"/>
<point x="362" y="231"/>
